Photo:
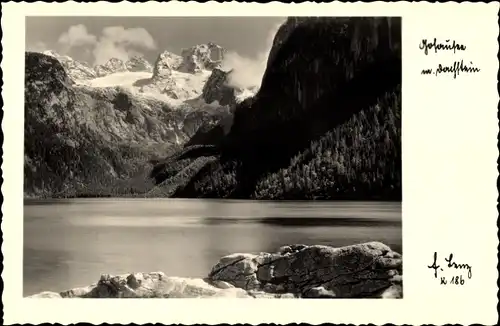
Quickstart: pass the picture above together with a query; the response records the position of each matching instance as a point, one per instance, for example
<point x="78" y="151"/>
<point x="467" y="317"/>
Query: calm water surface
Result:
<point x="69" y="243"/>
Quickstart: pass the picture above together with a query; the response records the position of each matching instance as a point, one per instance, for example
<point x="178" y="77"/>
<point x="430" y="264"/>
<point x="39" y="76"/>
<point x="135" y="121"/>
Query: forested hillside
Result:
<point x="325" y="124"/>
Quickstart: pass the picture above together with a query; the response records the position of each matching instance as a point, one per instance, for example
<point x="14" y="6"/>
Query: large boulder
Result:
<point x="357" y="271"/>
<point x="155" y="285"/>
<point x="297" y="271"/>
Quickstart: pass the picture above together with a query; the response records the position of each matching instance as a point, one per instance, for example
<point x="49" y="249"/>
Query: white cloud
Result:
<point x="113" y="42"/>
<point x="130" y="36"/>
<point x="76" y="36"/>
<point x="122" y="43"/>
<point x="248" y="72"/>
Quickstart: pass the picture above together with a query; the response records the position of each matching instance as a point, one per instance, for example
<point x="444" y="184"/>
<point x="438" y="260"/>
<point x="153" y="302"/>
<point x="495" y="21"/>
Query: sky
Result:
<point x="97" y="39"/>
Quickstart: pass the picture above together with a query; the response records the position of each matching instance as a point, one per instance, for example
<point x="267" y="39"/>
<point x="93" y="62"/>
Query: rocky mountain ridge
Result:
<point x="82" y="139"/>
<point x="174" y="78"/>
<point x="192" y="60"/>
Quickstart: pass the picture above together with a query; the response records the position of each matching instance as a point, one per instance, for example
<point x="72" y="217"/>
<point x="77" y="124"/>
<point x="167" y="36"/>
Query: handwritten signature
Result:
<point x="451" y="264"/>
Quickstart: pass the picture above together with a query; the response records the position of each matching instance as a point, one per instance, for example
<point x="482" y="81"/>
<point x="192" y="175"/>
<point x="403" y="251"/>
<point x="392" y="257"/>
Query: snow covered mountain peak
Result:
<point x="54" y="54"/>
<point x="165" y="63"/>
<point x="138" y="63"/>
<point x="202" y="57"/>
<point x="113" y="65"/>
<point x="174" y="79"/>
<point x="76" y="70"/>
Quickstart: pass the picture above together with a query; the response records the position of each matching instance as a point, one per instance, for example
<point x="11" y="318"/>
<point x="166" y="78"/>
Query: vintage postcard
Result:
<point x="238" y="160"/>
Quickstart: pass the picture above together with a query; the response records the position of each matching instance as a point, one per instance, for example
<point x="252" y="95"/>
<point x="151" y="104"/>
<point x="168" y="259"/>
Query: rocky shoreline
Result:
<point x="368" y="270"/>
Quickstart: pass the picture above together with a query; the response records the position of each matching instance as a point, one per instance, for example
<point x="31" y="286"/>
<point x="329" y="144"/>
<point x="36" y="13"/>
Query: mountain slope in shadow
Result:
<point x="329" y="101"/>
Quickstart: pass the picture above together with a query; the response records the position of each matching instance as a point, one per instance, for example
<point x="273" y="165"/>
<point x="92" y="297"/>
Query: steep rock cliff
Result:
<point x="321" y="73"/>
<point x="216" y="89"/>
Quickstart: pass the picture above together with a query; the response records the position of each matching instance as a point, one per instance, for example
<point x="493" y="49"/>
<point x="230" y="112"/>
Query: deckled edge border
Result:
<point x="1" y="164"/>
<point x="498" y="170"/>
<point x="201" y="1"/>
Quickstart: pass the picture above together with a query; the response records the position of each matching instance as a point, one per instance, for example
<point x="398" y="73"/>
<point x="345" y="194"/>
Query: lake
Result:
<point x="71" y="242"/>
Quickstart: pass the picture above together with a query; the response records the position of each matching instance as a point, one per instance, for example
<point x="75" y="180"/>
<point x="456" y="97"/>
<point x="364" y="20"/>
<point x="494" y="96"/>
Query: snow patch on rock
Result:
<point x="138" y="63"/>
<point x="203" y="56"/>
<point x="113" y="65"/>
<point x="165" y="63"/>
<point x="76" y="70"/>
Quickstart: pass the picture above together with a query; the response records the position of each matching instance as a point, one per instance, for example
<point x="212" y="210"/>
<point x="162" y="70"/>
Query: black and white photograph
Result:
<point x="208" y="157"/>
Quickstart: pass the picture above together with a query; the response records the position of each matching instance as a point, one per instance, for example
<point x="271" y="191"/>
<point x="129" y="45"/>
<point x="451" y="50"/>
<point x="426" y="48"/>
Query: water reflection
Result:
<point x="304" y="221"/>
<point x="69" y="243"/>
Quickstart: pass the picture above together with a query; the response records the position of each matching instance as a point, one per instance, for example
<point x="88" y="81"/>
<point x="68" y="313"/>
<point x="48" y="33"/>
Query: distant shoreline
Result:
<point x="34" y="198"/>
